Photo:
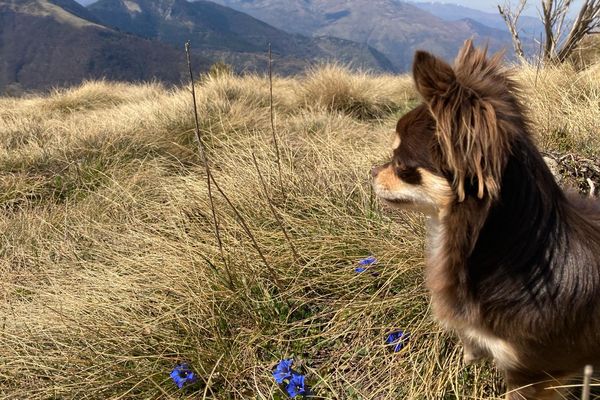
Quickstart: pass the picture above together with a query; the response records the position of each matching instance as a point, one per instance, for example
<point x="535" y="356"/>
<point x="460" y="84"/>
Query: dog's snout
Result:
<point x="376" y="170"/>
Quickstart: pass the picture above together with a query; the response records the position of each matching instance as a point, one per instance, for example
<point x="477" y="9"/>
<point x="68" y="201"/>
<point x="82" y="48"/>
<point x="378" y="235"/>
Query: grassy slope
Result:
<point x="109" y="268"/>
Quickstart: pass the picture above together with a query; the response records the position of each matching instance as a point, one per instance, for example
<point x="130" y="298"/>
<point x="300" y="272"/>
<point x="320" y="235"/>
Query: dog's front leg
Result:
<point x="472" y="352"/>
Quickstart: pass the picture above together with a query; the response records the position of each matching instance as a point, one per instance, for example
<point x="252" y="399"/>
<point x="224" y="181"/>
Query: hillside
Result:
<point x="46" y="43"/>
<point x="215" y="29"/>
<point x="111" y="274"/>
<point x="530" y="27"/>
<point x="394" y="28"/>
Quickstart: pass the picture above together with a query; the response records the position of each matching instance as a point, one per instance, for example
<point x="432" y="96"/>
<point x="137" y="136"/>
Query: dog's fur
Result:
<point x="513" y="263"/>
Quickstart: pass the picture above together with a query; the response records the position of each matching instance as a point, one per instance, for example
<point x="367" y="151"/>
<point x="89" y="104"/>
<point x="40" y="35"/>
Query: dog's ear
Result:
<point x="433" y="77"/>
<point x="473" y="149"/>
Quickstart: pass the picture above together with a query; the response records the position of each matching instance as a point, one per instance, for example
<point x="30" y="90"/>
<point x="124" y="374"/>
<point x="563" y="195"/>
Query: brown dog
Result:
<point x="513" y="263"/>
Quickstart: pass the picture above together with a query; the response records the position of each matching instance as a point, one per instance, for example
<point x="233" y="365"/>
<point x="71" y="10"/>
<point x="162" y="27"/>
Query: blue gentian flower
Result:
<point x="397" y="340"/>
<point x="364" y="263"/>
<point x="182" y="374"/>
<point x="368" y="261"/>
<point x="296" y="386"/>
<point x="283" y="370"/>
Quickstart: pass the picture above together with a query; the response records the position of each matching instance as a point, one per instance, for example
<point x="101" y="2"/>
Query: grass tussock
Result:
<point x="565" y="107"/>
<point x="357" y="94"/>
<point x="110" y="270"/>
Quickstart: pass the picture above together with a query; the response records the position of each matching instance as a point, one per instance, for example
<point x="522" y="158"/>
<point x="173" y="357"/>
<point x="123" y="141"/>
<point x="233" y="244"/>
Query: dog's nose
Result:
<point x="375" y="171"/>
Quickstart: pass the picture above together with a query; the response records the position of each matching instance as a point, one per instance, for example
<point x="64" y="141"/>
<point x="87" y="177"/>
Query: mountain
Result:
<point x="221" y="32"/>
<point x="46" y="43"/>
<point x="395" y="28"/>
<point x="530" y="26"/>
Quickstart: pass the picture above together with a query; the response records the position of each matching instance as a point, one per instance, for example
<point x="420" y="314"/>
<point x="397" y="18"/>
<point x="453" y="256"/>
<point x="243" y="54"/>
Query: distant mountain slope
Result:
<point x="43" y="44"/>
<point x="74" y="8"/>
<point x="453" y="12"/>
<point x="395" y="28"/>
<point x="215" y="29"/>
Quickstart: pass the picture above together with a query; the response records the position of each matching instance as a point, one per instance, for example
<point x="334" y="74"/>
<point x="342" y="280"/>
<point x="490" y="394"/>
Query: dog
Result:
<point x="512" y="261"/>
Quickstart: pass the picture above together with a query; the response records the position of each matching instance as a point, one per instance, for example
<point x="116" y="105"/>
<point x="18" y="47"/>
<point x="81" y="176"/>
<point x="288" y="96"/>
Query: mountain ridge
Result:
<point x="395" y="28"/>
<point x="217" y="28"/>
<point x="528" y="25"/>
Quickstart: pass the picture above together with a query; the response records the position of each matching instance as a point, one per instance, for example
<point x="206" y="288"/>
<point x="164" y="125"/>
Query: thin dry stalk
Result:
<point x="275" y="142"/>
<point x="240" y="219"/>
<point x="273" y="211"/>
<point x="587" y="377"/>
<point x="202" y="150"/>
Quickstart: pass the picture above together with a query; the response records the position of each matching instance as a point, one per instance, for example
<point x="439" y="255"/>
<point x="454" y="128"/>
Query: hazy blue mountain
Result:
<point x="219" y="31"/>
<point x="393" y="27"/>
<point x="530" y="26"/>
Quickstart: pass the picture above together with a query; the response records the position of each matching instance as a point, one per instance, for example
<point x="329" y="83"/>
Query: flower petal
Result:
<point x="368" y="261"/>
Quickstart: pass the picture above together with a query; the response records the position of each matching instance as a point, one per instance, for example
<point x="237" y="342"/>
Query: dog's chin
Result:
<point x="408" y="205"/>
<point x="398" y="203"/>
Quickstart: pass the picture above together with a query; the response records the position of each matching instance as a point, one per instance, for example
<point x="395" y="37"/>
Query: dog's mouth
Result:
<point x="397" y="202"/>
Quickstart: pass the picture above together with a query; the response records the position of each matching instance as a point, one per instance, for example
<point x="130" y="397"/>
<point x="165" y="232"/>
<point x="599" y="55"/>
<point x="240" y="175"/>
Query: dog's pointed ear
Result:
<point x="433" y="77"/>
<point x="473" y="148"/>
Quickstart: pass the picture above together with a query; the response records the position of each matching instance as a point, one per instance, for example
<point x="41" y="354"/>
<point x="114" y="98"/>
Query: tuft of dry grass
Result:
<point x="110" y="273"/>
<point x="565" y="107"/>
<point x="360" y="95"/>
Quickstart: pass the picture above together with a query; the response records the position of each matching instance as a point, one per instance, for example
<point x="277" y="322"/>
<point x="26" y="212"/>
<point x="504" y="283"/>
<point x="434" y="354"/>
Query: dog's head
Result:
<point x="455" y="144"/>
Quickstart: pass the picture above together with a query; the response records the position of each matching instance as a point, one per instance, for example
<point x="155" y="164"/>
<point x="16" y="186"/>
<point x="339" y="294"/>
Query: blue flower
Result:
<point x="364" y="263"/>
<point x="397" y="340"/>
<point x="368" y="261"/>
<point x="283" y="371"/>
<point x="182" y="374"/>
<point x="296" y="386"/>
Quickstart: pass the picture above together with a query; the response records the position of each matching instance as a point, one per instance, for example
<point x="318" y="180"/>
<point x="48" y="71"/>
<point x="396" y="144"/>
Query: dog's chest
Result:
<point x="440" y="281"/>
<point x="449" y="306"/>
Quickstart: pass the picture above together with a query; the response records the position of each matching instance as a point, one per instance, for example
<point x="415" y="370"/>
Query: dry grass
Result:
<point x="110" y="271"/>
<point x="565" y="107"/>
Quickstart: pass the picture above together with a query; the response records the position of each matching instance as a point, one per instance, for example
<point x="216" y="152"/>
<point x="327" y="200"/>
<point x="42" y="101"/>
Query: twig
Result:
<point x="511" y="19"/>
<point x="587" y="377"/>
<point x="279" y="221"/>
<point x="275" y="143"/>
<point x="202" y="151"/>
<point x="539" y="61"/>
<point x="592" y="187"/>
<point x="246" y="229"/>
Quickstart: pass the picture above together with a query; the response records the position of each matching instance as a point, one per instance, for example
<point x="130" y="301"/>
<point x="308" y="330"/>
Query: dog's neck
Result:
<point x="483" y="240"/>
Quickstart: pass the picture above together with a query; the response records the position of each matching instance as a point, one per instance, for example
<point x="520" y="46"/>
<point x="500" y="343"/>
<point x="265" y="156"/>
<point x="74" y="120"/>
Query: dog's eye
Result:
<point x="408" y="174"/>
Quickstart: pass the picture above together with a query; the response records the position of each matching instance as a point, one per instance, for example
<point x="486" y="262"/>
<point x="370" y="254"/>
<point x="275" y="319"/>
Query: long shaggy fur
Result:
<point x="513" y="263"/>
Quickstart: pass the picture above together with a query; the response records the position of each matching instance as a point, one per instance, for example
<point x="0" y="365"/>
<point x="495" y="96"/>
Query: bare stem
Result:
<point x="275" y="143"/>
<point x="202" y="151"/>
<point x="587" y="377"/>
<point x="274" y="212"/>
<point x="511" y="18"/>
<point x="242" y="222"/>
